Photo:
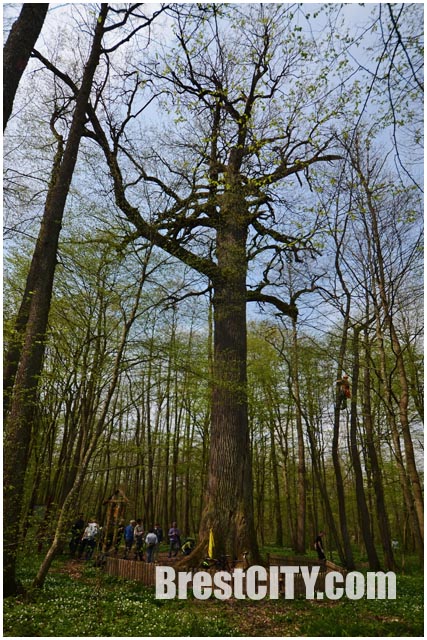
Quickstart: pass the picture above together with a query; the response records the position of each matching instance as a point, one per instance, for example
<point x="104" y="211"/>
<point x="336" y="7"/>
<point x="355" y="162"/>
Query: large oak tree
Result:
<point x="213" y="195"/>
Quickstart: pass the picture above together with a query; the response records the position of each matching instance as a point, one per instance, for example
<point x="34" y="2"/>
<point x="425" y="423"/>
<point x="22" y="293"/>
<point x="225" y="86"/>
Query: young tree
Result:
<point x="373" y="456"/>
<point x="362" y="506"/>
<point x="389" y="262"/>
<point x="91" y="438"/>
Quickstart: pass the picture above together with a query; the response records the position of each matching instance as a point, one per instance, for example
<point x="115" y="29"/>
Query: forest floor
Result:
<point x="80" y="600"/>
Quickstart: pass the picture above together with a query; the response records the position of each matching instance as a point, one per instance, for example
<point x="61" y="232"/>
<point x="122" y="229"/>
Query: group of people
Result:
<point x="86" y="536"/>
<point x="136" y="537"/>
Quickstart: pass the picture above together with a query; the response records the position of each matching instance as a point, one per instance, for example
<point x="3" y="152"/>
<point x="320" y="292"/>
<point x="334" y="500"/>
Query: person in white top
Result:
<point x="89" y="539"/>
<point x="150" y="545"/>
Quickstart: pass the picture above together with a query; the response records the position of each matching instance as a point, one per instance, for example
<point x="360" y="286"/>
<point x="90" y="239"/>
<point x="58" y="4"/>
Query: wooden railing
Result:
<point x="145" y="572"/>
<point x="293" y="561"/>
<point x="131" y="570"/>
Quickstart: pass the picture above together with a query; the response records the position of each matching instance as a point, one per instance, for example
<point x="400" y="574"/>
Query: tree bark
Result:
<point x="276" y="486"/>
<point x="229" y="503"/>
<point x="17" y="50"/>
<point x="349" y="561"/>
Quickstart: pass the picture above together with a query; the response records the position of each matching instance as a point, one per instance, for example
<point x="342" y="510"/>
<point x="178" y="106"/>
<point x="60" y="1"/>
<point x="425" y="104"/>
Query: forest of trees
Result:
<point x="211" y="213"/>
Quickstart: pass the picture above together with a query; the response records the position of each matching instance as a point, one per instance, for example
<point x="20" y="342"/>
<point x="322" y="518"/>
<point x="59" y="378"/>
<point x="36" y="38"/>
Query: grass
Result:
<point x="80" y="600"/>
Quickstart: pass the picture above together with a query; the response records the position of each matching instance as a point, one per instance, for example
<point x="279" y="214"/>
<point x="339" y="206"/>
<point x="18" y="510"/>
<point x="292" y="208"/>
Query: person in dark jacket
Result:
<point x="318" y="545"/>
<point x="159" y="533"/>
<point x="76" y="534"/>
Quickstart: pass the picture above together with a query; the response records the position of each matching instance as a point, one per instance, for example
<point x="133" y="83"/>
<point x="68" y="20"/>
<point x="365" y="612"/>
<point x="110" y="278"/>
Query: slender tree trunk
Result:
<point x="149" y="470"/>
<point x="259" y="470"/>
<point x="362" y="507"/>
<point x="276" y="487"/>
<point x="72" y="499"/>
<point x="19" y="421"/>
<point x="403" y="400"/>
<point x="349" y="561"/>
<point x="287" y="487"/>
<point x="383" y="521"/>
<point x="323" y="490"/>
<point x="301" y="470"/>
<point x="405" y="428"/>
<point x="395" y="435"/>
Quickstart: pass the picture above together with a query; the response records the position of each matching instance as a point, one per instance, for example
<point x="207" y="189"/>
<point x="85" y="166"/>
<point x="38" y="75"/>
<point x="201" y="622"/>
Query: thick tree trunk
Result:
<point x="16" y="342"/>
<point x="19" y="422"/>
<point x="228" y="510"/>
<point x="17" y="50"/>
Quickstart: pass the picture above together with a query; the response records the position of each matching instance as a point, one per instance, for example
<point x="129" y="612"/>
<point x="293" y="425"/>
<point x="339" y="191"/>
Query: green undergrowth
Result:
<point x="95" y="604"/>
<point x="79" y="600"/>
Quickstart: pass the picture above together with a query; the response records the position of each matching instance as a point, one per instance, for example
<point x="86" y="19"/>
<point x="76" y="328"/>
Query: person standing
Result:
<point x="150" y="545"/>
<point x="159" y="533"/>
<point x="129" y="536"/>
<point x="318" y="545"/>
<point x="174" y="536"/>
<point x="89" y="538"/>
<point x="138" y="533"/>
